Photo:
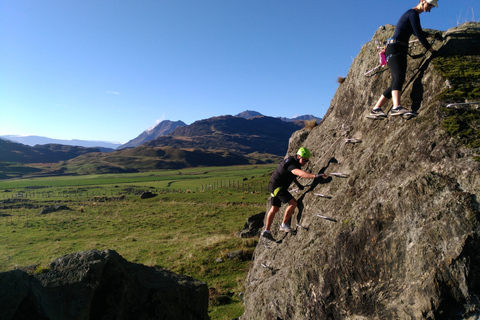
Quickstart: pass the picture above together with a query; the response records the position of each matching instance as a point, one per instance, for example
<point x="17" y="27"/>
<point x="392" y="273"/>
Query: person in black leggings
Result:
<point x="396" y="53"/>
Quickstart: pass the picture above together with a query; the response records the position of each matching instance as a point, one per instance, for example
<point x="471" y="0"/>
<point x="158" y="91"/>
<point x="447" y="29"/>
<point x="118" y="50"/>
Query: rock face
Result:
<point x="404" y="243"/>
<point x="100" y="285"/>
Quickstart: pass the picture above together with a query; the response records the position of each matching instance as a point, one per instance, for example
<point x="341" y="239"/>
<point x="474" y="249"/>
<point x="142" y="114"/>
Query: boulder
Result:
<point x="403" y="241"/>
<point x="147" y="195"/>
<point x="100" y="285"/>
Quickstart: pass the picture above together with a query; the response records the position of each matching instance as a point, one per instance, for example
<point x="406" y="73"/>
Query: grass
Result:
<point x="187" y="232"/>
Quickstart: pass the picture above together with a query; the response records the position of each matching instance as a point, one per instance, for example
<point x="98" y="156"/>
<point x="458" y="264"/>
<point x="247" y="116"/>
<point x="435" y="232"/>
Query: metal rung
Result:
<point x="460" y="105"/>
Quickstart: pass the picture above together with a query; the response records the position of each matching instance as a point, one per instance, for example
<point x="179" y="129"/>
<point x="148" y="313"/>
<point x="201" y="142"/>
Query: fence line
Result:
<point x="243" y="186"/>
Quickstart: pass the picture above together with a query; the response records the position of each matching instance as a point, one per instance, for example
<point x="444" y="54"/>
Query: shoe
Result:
<point x="378" y="113"/>
<point x="285" y="227"/>
<point x="267" y="235"/>
<point x="398" y="111"/>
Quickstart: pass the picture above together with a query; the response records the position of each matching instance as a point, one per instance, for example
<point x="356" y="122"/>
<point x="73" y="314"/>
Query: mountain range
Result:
<point x="156" y="131"/>
<point x="32" y="140"/>
<point x="218" y="141"/>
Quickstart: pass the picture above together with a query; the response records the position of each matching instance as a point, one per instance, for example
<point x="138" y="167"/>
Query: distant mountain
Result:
<point x="160" y="129"/>
<point x="305" y="117"/>
<point x="234" y="134"/>
<point x="47" y="153"/>
<point x="248" y="114"/>
<point x="37" y="140"/>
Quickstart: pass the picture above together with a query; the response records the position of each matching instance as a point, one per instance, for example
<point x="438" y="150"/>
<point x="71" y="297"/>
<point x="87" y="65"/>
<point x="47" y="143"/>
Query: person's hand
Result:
<point x="321" y="175"/>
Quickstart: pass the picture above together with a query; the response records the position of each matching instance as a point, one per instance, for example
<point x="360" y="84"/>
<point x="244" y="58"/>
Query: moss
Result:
<point x="463" y="74"/>
<point x="463" y="125"/>
<point x="42" y="269"/>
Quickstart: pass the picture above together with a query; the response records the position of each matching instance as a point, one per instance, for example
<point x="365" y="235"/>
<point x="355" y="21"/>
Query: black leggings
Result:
<point x="397" y="63"/>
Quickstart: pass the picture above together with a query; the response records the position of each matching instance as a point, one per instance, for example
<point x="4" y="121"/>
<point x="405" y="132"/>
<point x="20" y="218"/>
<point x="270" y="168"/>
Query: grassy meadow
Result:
<point x="189" y="227"/>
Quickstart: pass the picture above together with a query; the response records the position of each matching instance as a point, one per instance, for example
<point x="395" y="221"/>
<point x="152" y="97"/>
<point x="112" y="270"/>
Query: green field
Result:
<point x="188" y="227"/>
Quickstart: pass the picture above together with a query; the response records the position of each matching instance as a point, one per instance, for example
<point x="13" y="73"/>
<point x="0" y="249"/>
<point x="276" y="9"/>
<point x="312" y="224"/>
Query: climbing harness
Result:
<point x="384" y="59"/>
<point x="394" y="41"/>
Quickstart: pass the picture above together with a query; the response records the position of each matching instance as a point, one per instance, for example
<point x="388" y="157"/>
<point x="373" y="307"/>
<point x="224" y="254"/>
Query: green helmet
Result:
<point x="303" y="152"/>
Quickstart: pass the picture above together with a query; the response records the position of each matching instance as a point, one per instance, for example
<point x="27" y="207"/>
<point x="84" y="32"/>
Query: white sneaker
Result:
<point x="399" y="111"/>
<point x="285" y="227"/>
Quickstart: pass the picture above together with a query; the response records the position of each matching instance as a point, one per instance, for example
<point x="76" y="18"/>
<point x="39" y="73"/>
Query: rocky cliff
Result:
<point x="100" y="285"/>
<point x="403" y="238"/>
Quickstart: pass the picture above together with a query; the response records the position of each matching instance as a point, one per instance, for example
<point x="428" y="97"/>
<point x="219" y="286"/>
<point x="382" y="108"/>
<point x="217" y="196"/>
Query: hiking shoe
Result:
<point x="378" y="113"/>
<point x="285" y="227"/>
<point x="267" y="235"/>
<point x="398" y="111"/>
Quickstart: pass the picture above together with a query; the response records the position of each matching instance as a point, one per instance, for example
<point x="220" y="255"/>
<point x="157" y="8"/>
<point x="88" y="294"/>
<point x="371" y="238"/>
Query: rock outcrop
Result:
<point x="253" y="226"/>
<point x="100" y="285"/>
<point x="403" y="241"/>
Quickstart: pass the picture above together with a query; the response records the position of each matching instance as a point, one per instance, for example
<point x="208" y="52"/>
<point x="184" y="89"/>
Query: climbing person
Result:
<point x="286" y="173"/>
<point x="396" y="53"/>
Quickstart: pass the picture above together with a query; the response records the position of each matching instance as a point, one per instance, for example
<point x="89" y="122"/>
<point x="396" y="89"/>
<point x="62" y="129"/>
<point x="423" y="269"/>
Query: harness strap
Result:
<point x="275" y="192"/>
<point x="393" y="41"/>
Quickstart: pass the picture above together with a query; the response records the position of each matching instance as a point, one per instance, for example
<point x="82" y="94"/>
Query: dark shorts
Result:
<point x="283" y="196"/>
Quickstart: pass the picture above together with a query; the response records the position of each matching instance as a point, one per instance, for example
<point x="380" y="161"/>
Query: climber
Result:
<point x="396" y="53"/>
<point x="282" y="177"/>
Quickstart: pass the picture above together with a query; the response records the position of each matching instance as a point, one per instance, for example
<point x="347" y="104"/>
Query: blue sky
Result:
<point x="108" y="70"/>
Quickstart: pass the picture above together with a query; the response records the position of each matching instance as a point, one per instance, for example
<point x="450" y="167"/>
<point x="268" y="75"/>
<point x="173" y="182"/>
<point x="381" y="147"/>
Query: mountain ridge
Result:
<point x="162" y="128"/>
<point x="218" y="141"/>
<point x="33" y="140"/>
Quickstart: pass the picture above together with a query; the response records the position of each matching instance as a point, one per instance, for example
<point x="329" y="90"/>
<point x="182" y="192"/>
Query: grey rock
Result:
<point x="100" y="285"/>
<point x="406" y="244"/>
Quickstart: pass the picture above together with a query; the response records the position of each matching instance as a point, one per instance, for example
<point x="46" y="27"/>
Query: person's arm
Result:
<point x="306" y="175"/>
<point x="417" y="30"/>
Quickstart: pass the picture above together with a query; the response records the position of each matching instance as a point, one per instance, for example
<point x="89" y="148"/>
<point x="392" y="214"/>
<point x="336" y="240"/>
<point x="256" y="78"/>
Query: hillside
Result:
<point x="17" y="152"/>
<point x="234" y="134"/>
<point x="217" y="141"/>
<point x="405" y="240"/>
<point x="146" y="158"/>
<point x="165" y="127"/>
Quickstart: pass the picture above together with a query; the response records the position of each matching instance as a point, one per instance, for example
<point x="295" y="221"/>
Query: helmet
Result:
<point x="432" y="2"/>
<point x="303" y="152"/>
